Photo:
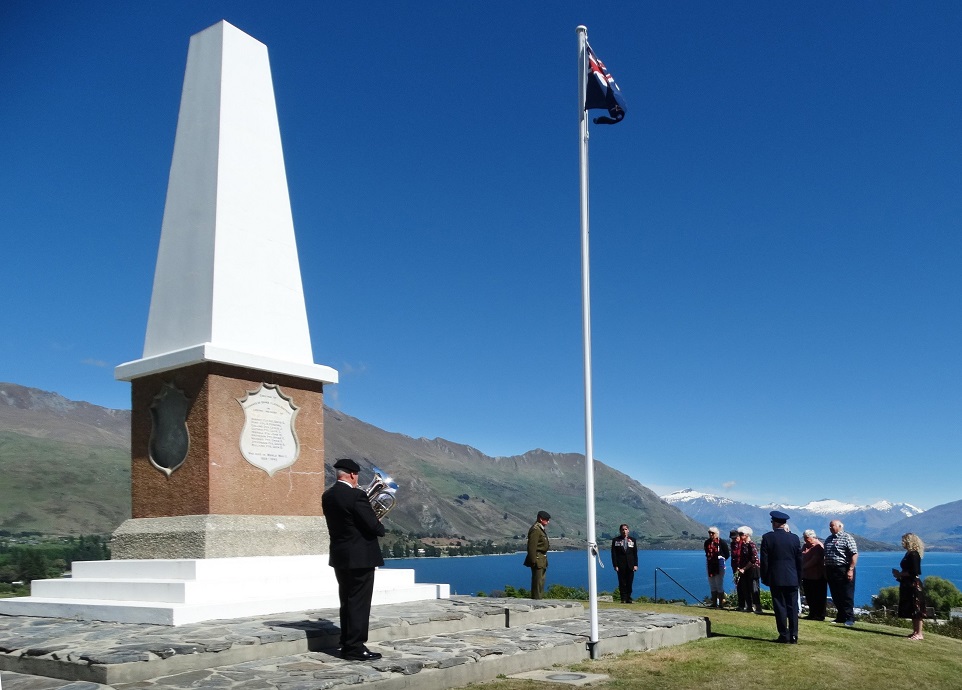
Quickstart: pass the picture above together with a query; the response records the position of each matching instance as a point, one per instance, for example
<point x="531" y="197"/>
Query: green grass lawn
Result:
<point x="740" y="655"/>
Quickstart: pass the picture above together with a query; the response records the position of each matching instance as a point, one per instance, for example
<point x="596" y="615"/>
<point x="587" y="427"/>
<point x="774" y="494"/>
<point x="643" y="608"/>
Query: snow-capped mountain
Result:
<point x="833" y="508"/>
<point x="940" y="527"/>
<point x="869" y="521"/>
<point x="726" y="513"/>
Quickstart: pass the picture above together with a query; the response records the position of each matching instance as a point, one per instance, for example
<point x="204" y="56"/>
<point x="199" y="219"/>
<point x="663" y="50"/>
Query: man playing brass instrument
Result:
<point x="354" y="529"/>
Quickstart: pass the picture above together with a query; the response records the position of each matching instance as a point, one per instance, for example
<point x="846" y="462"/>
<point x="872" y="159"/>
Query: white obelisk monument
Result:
<point x="227" y="321"/>
<point x="227" y="444"/>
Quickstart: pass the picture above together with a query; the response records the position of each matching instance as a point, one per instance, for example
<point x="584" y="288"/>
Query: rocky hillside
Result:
<point x="40" y="414"/>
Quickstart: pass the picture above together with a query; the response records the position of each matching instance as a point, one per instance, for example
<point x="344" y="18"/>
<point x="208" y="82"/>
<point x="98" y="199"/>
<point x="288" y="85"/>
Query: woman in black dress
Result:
<point x="748" y="572"/>
<point x="909" y="575"/>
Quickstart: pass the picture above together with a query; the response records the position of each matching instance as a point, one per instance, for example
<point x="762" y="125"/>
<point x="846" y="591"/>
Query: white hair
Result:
<point x="713" y="530"/>
<point x="745" y="529"/>
<point x="810" y="533"/>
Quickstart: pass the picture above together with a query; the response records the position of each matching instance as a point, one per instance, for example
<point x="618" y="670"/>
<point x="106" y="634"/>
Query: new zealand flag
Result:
<point x="602" y="92"/>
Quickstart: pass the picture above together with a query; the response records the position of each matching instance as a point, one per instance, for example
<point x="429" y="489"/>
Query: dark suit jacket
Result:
<point x="353" y="526"/>
<point x="781" y="559"/>
<point x="621" y="558"/>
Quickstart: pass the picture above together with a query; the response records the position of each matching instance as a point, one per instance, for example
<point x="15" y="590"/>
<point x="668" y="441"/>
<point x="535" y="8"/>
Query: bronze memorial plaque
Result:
<point x="169" y="438"/>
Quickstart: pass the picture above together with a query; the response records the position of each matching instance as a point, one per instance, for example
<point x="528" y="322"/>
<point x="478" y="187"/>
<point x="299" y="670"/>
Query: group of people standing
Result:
<point x="785" y="565"/>
<point x="745" y="568"/>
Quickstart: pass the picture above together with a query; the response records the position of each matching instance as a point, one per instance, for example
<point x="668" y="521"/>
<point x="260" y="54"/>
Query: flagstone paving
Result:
<point x="437" y="644"/>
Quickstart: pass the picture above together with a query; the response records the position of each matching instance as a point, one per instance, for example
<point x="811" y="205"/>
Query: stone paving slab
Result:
<point x="426" y="645"/>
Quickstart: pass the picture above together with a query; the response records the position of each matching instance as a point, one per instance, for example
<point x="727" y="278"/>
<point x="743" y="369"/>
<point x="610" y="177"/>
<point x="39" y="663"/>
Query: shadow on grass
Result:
<point x="712" y="633"/>
<point x="875" y="632"/>
<point x="751" y="638"/>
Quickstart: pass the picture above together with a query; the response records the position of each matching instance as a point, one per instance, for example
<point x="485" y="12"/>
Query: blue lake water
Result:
<point x="473" y="574"/>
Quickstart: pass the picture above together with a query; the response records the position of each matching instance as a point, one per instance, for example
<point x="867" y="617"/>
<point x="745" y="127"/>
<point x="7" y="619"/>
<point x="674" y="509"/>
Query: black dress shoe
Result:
<point x="780" y="640"/>
<point x="794" y="640"/>
<point x="361" y="656"/>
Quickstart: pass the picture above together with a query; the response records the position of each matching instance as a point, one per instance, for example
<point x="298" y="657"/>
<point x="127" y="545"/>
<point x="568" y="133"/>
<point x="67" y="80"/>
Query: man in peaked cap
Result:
<point x="537" y="558"/>
<point x="781" y="570"/>
<point x="354" y="529"/>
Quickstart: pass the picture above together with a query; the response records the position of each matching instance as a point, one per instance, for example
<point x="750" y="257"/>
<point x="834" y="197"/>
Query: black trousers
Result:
<point x="748" y="594"/>
<point x="785" y="603"/>
<point x="626" y="578"/>
<point x="843" y="592"/>
<point x="815" y="592"/>
<point x="355" y="587"/>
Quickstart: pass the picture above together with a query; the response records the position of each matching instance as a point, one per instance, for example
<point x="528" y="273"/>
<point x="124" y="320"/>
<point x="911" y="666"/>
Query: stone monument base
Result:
<point x="181" y="591"/>
<point x="220" y="536"/>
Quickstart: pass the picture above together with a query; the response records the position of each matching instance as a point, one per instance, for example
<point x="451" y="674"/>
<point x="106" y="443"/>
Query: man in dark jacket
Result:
<point x="781" y="569"/>
<point x="354" y="529"/>
<point x="624" y="559"/>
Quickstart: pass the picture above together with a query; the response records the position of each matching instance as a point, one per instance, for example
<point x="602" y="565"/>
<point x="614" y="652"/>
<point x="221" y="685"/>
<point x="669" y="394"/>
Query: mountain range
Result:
<point x="66" y="470"/>
<point x="878" y="525"/>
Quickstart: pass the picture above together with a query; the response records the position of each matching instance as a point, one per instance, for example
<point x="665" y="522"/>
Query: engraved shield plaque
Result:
<point x="268" y="439"/>
<point x="169" y="438"/>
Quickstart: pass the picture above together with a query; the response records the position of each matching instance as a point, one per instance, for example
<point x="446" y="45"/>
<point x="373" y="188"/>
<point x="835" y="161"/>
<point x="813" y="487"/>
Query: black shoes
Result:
<point x="363" y="655"/>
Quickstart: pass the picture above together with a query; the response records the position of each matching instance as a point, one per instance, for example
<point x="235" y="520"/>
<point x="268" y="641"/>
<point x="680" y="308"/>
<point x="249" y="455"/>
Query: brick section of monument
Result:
<point x="216" y="478"/>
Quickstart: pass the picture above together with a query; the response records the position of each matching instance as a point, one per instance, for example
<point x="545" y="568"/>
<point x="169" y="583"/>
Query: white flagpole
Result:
<point x="586" y="332"/>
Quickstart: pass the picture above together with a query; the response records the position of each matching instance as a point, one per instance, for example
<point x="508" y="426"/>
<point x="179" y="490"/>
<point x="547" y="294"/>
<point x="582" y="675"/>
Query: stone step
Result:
<point x="446" y="643"/>
<point x="183" y="591"/>
<point x="174" y="613"/>
<point x="187" y="591"/>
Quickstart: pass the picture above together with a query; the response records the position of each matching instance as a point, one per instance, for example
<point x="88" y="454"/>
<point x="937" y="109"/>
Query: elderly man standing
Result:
<point x="841" y="555"/>
<point x="355" y="554"/>
<point x="781" y="566"/>
<point x="537" y="557"/>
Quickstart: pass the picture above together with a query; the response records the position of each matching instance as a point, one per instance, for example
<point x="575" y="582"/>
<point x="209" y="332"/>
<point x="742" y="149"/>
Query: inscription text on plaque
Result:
<point x="268" y="439"/>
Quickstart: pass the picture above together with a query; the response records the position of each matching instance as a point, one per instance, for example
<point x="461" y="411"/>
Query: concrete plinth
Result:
<point x="220" y="536"/>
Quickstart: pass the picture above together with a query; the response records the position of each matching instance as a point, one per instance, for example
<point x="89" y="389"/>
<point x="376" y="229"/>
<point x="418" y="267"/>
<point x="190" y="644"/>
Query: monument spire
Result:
<point x="227" y="286"/>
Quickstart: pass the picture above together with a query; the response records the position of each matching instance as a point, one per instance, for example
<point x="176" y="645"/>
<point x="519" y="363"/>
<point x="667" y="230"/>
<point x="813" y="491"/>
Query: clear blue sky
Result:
<point x="776" y="246"/>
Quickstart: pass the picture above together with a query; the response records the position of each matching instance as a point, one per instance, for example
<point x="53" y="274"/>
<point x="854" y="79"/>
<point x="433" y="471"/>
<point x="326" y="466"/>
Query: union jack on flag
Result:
<point x="601" y="92"/>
